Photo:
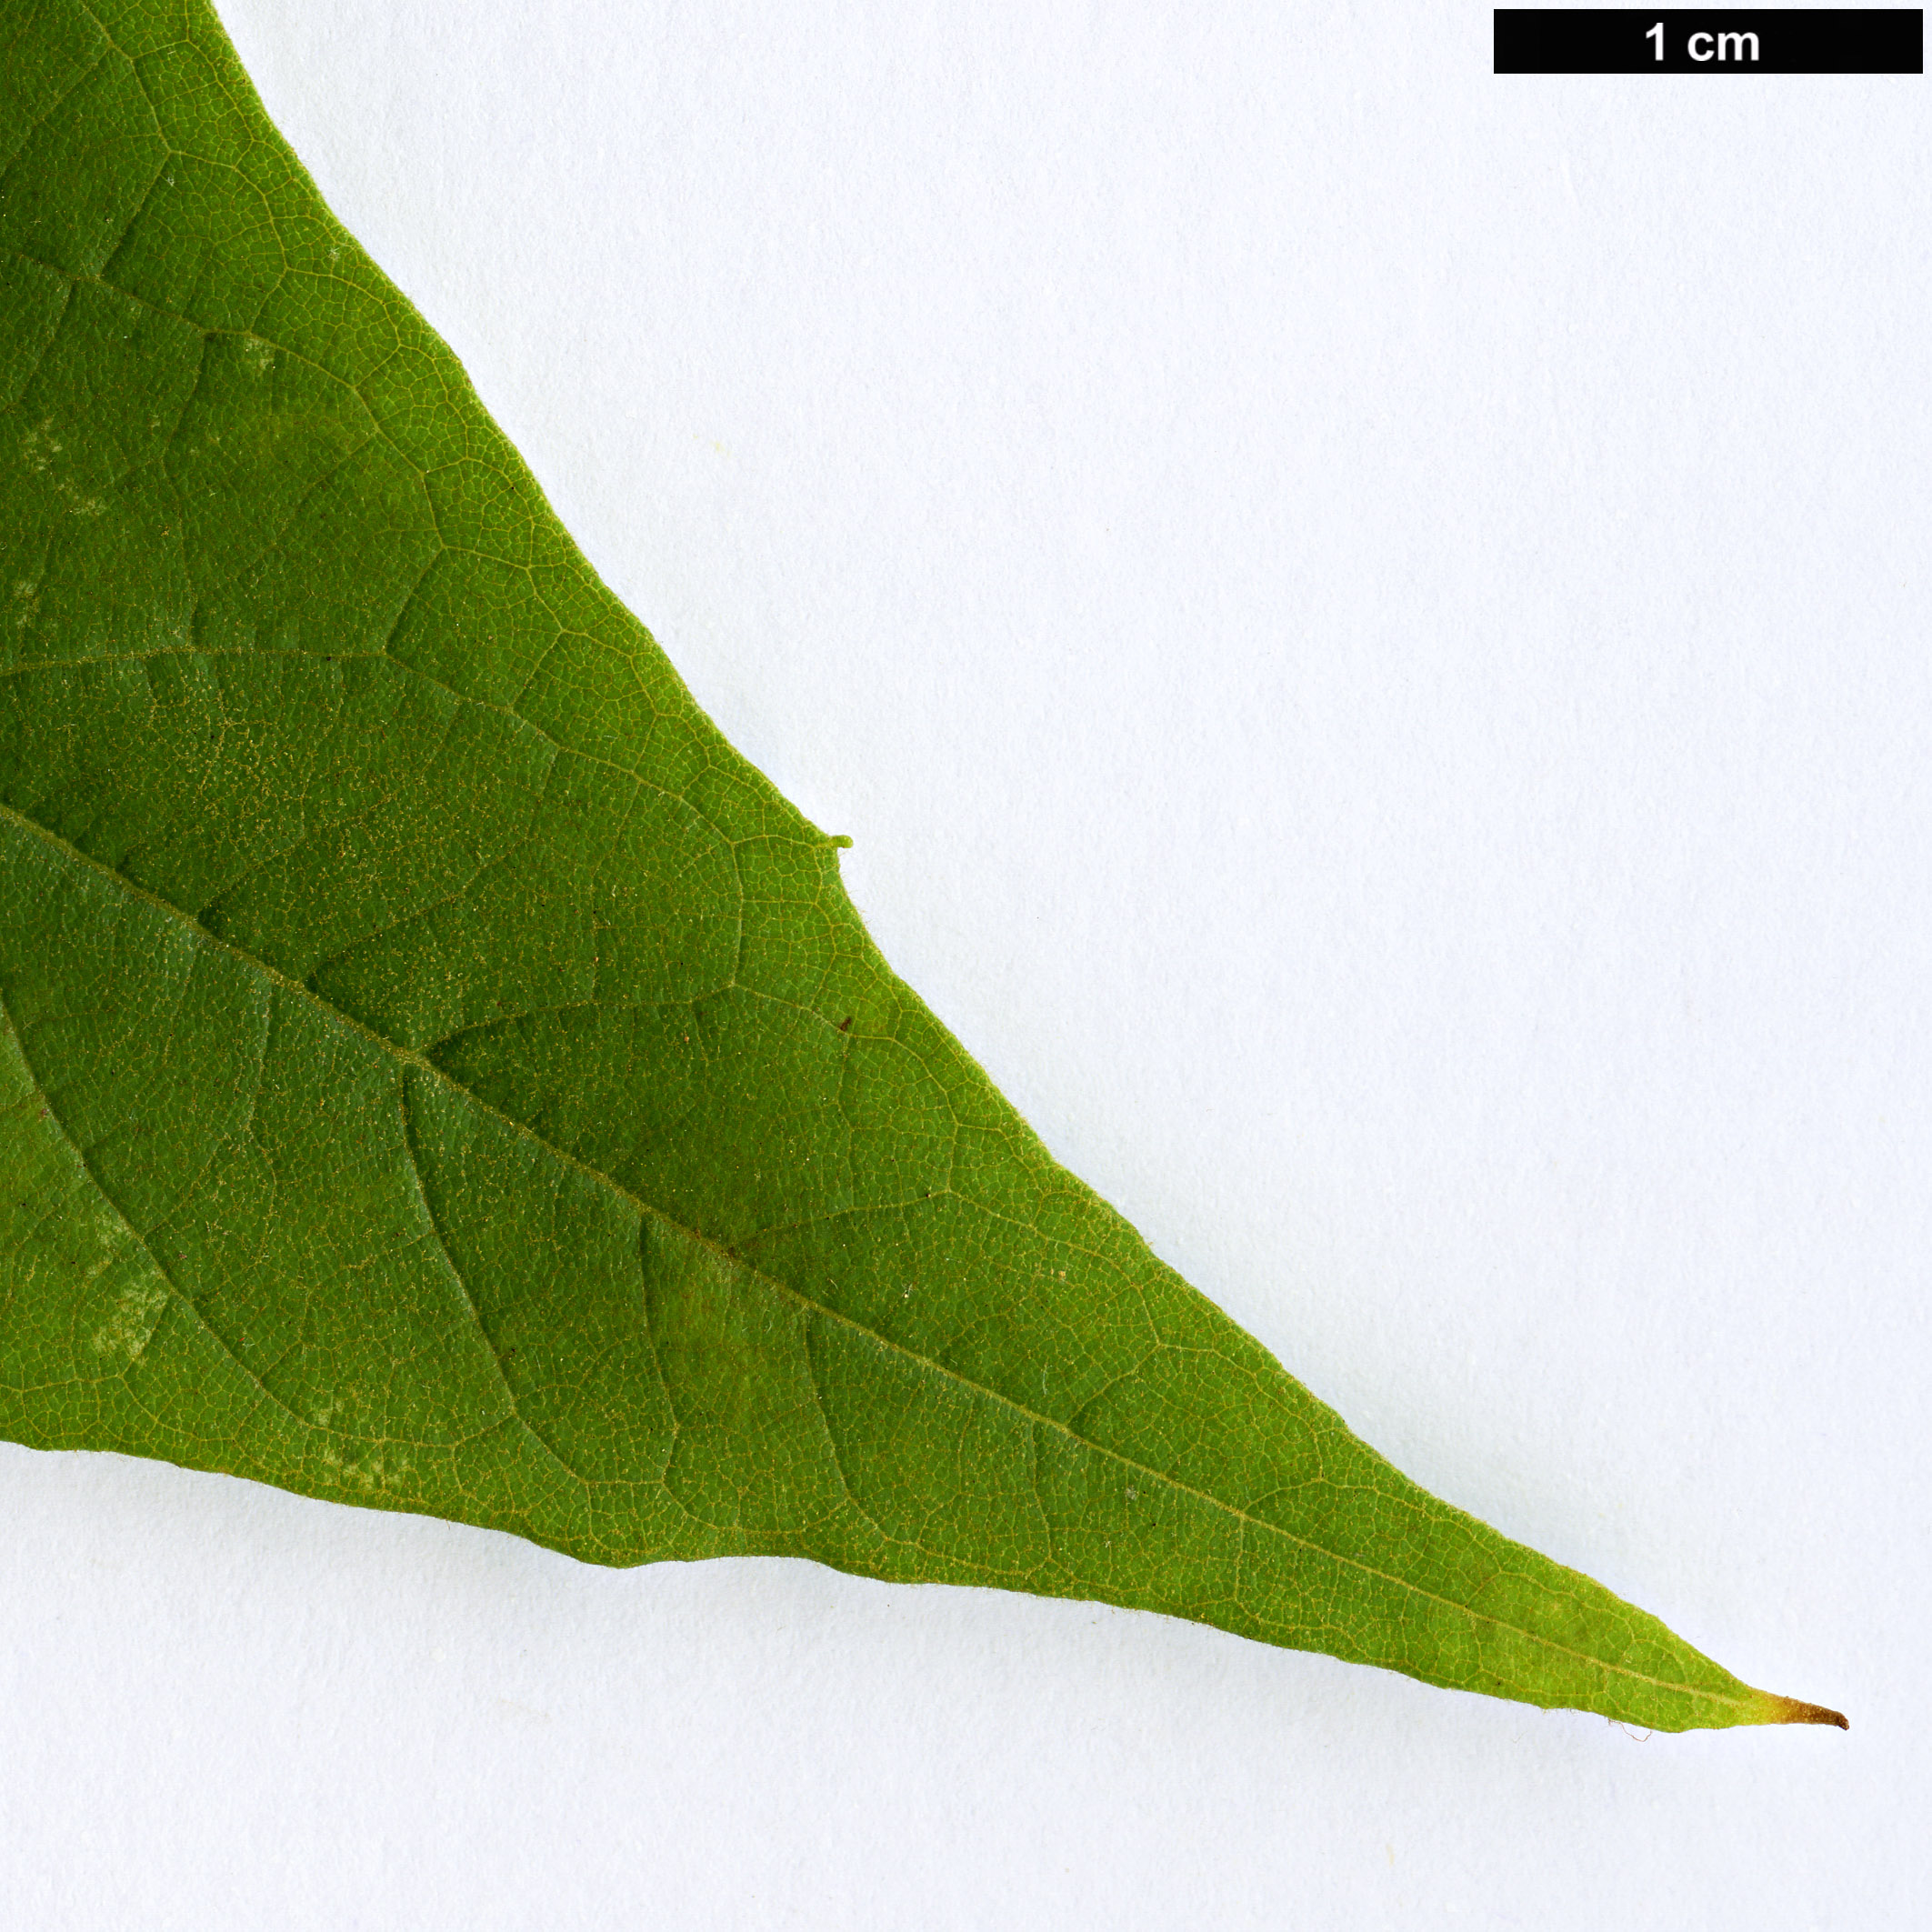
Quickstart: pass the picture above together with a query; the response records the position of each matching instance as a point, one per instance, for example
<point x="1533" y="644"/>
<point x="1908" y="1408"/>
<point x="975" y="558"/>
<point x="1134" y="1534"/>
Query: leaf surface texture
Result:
<point x="438" y="1072"/>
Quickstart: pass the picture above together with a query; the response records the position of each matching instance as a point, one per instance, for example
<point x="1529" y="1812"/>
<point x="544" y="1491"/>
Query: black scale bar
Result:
<point x="1718" y="40"/>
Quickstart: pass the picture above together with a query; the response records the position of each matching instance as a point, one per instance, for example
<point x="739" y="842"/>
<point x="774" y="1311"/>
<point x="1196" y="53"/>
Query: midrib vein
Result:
<point x="72" y="854"/>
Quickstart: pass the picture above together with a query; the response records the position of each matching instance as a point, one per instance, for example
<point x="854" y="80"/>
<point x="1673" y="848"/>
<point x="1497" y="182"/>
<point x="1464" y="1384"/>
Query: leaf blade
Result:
<point x="494" y="1071"/>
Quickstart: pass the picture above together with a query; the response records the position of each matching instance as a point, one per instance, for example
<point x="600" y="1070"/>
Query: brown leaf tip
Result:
<point x="1789" y="1710"/>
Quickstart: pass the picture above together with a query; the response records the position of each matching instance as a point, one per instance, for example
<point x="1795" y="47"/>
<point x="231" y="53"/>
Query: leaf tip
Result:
<point x="1768" y="1708"/>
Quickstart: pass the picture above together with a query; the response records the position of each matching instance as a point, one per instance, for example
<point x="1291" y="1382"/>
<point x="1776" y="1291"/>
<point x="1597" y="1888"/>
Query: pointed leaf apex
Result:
<point x="1771" y="1710"/>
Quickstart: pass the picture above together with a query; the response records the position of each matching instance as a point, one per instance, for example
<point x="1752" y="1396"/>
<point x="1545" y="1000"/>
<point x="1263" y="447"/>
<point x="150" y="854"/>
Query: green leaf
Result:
<point x="438" y="1072"/>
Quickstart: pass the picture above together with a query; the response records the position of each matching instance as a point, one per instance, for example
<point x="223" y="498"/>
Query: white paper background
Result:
<point x="1369" y="624"/>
